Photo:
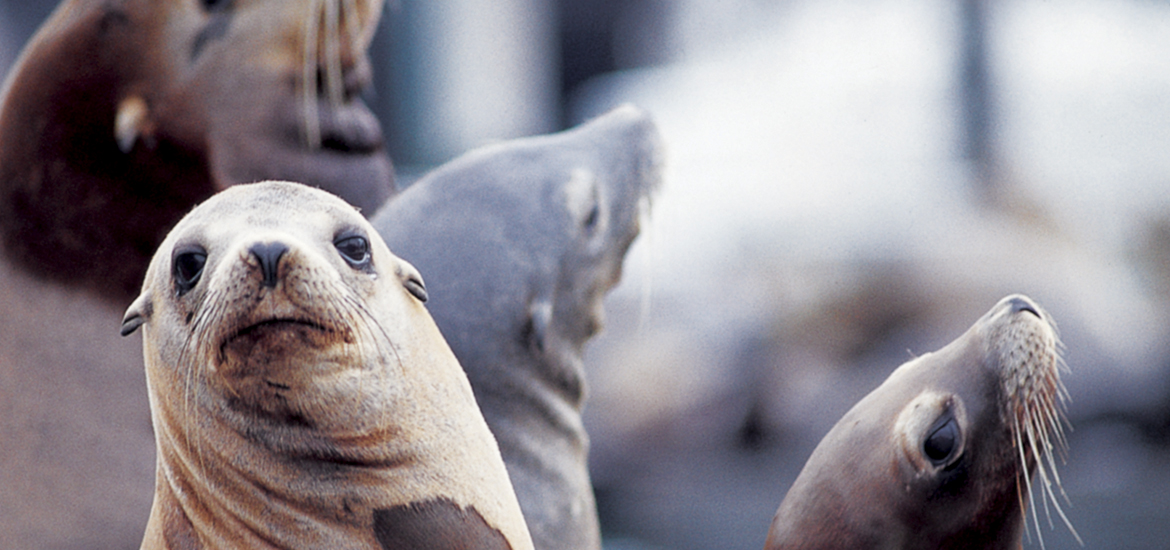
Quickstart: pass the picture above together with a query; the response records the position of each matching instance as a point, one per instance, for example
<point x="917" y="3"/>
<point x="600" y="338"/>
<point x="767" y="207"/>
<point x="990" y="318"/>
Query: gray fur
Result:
<point x="518" y="243"/>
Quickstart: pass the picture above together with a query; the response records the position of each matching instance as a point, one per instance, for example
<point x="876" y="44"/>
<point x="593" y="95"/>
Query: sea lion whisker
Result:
<point x="376" y="335"/>
<point x="1052" y="478"/>
<point x="649" y="237"/>
<point x="309" y="76"/>
<point x="374" y="324"/>
<point x="1023" y="472"/>
<point x="190" y="345"/>
<point x="1041" y="473"/>
<point x="209" y="309"/>
<point x="1041" y="425"/>
<point x="333" y="80"/>
<point x="352" y="23"/>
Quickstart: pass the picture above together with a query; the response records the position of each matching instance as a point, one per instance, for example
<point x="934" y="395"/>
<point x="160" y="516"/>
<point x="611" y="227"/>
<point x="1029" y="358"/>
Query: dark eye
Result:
<point x="594" y="215"/>
<point x="355" y="249"/>
<point x="941" y="443"/>
<point x="187" y="267"/>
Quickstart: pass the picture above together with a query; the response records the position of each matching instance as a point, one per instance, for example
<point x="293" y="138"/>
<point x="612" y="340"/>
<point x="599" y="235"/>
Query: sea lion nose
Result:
<point x="1019" y="304"/>
<point x="268" y="254"/>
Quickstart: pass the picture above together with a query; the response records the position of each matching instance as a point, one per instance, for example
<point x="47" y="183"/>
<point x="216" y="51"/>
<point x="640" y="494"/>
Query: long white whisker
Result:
<point x="309" y="76"/>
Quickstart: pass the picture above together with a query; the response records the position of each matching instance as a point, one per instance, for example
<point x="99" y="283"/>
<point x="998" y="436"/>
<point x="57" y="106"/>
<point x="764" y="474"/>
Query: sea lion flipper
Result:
<point x="136" y="314"/>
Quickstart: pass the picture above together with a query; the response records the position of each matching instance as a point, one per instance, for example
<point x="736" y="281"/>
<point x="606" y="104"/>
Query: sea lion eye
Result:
<point x="942" y="442"/>
<point x="355" y="249"/>
<point x="593" y="217"/>
<point x="187" y="267"/>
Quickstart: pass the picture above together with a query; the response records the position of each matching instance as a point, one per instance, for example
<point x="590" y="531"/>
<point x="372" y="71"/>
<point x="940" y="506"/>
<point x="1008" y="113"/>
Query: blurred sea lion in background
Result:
<point x="942" y="454"/>
<point x="120" y="116"/>
<point x="117" y="119"/>
<point x="301" y="395"/>
<point x="519" y="242"/>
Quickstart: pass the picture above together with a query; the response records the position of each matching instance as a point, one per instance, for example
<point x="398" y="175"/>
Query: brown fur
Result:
<point x="121" y="115"/>
<point x="872" y="482"/>
<point x="118" y="118"/>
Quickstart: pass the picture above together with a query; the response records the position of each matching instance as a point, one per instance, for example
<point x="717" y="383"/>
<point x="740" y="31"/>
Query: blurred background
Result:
<point x="848" y="183"/>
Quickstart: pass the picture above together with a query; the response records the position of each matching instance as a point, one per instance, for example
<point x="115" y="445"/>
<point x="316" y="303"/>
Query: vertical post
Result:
<point x="467" y="72"/>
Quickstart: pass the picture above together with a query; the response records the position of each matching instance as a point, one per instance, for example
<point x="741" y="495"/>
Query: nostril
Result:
<point x="268" y="254"/>
<point x="1020" y="304"/>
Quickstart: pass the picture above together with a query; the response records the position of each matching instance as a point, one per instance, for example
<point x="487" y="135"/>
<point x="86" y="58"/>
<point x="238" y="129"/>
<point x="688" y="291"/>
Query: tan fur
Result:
<point x="290" y="436"/>
<point x="113" y="125"/>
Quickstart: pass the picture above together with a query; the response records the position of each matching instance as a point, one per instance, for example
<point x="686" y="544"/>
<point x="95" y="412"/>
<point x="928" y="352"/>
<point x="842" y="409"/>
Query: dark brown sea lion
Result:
<point x="520" y="242"/>
<point x="120" y="115"/>
<point x="118" y="118"/>
<point x="943" y="453"/>
<point x="301" y="395"/>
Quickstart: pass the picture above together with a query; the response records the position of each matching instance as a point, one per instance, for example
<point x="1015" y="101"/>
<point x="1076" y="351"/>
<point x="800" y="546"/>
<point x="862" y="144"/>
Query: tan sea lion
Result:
<point x="521" y="241"/>
<point x="942" y="454"/>
<point x="301" y="395"/>
<point x="119" y="117"/>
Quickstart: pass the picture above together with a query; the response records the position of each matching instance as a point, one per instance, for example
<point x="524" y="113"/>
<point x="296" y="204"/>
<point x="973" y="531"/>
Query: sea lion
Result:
<point x="119" y="117"/>
<point x="301" y="395"/>
<point x="520" y="242"/>
<point x="942" y="454"/>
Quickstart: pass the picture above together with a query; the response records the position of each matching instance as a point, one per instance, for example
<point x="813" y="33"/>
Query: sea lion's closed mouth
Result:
<point x="259" y="330"/>
<point x="308" y="332"/>
<point x="278" y="324"/>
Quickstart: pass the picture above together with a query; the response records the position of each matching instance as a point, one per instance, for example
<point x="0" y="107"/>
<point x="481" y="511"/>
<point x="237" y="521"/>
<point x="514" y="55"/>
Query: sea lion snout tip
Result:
<point x="1018" y="303"/>
<point x="268" y="254"/>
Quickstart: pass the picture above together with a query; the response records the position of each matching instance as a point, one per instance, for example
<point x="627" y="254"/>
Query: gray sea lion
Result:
<point x="301" y="395"/>
<point x="520" y="242"/>
<point x="118" y="118"/>
<point x="942" y="454"/>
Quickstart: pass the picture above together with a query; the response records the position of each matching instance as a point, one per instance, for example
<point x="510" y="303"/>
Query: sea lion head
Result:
<point x="298" y="387"/>
<point x="943" y="453"/>
<point x="248" y="296"/>
<point x="121" y="115"/>
<point x="547" y="220"/>
<point x="279" y="87"/>
<point x="544" y="224"/>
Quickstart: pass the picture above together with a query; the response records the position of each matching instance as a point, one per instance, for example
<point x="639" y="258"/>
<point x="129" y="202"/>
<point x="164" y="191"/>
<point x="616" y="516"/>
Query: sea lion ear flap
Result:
<point x="539" y="320"/>
<point x="412" y="280"/>
<point x="137" y="314"/>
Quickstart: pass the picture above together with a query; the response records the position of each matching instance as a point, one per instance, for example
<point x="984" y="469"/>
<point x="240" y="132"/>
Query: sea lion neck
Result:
<point x="213" y="489"/>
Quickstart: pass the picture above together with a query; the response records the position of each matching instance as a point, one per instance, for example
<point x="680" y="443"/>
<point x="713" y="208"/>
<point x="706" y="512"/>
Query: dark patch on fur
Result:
<point x="438" y="524"/>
